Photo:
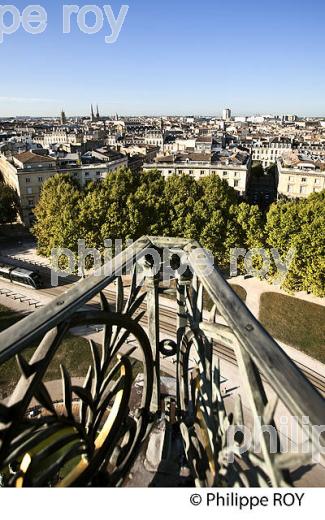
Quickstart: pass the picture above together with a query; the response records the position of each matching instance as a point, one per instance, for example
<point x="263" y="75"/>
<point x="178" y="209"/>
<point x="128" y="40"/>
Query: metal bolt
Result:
<point x="249" y="327"/>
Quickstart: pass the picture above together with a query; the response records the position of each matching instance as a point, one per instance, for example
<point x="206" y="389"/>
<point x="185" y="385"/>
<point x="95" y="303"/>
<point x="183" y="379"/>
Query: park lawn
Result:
<point x="240" y="291"/>
<point x="74" y="353"/>
<point x="297" y="323"/>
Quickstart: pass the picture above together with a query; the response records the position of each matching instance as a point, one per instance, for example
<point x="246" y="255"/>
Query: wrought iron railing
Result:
<point x="94" y="436"/>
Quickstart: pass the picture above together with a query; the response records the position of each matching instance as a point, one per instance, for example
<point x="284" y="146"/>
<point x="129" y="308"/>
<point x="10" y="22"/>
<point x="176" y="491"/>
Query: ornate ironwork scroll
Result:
<point x="92" y="438"/>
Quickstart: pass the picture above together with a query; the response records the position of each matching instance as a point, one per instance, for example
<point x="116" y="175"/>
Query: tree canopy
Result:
<point x="299" y="225"/>
<point x="57" y="215"/>
<point x="127" y="206"/>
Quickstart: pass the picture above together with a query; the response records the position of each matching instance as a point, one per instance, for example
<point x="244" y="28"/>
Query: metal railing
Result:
<point x="99" y="434"/>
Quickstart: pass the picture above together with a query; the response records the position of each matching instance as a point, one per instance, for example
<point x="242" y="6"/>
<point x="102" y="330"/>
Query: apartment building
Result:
<point x="59" y="136"/>
<point x="26" y="172"/>
<point x="155" y="138"/>
<point x="300" y="179"/>
<point x="233" y="166"/>
<point x="268" y="152"/>
<point x="96" y="165"/>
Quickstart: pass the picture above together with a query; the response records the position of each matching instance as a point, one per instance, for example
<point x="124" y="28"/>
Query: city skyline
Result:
<point x="217" y="115"/>
<point x="171" y="59"/>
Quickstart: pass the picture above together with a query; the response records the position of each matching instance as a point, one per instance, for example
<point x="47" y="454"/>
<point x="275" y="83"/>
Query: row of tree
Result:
<point x="127" y="206"/>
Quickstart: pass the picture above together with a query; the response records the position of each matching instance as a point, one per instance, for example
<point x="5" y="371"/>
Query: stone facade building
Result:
<point x="301" y="179"/>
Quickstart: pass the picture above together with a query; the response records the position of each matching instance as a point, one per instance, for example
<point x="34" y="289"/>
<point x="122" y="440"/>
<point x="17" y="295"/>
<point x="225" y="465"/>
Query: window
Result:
<point x="303" y="179"/>
<point x="303" y="190"/>
<point x="236" y="174"/>
<point x="30" y="202"/>
<point x="202" y="172"/>
<point x="27" y="179"/>
<point x="86" y="174"/>
<point x="191" y="172"/>
<point x="236" y="184"/>
<point x="290" y="188"/>
<point x="317" y="181"/>
<point x="40" y="179"/>
<point x="225" y="174"/>
<point x="29" y="191"/>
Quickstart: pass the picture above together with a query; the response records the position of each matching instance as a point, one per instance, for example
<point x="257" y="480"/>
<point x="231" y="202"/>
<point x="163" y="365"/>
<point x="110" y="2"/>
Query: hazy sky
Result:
<point x="172" y="56"/>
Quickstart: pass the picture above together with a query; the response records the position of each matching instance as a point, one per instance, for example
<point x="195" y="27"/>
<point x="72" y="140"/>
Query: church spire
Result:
<point x="63" y="117"/>
<point x="92" y="113"/>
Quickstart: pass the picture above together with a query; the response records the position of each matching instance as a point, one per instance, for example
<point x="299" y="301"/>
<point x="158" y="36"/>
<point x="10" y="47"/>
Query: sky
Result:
<point x="171" y="57"/>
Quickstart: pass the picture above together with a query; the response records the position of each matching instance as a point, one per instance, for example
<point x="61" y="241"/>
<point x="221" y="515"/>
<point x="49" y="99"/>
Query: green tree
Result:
<point x="9" y="204"/>
<point x="57" y="215"/>
<point x="93" y="214"/>
<point x="299" y="225"/>
<point x="118" y="186"/>
<point x="182" y="193"/>
<point x="250" y="225"/>
<point x="148" y="207"/>
<point x="219" y="232"/>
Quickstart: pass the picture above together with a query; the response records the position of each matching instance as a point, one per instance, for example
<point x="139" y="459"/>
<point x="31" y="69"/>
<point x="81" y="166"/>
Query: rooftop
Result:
<point x="234" y="157"/>
<point x="33" y="158"/>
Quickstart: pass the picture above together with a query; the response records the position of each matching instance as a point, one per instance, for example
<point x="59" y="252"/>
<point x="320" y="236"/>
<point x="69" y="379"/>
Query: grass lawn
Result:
<point x="295" y="322"/>
<point x="240" y="291"/>
<point x="74" y="353"/>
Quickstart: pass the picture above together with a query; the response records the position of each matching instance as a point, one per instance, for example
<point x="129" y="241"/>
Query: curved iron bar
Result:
<point x="95" y="396"/>
<point x="103" y="404"/>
